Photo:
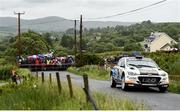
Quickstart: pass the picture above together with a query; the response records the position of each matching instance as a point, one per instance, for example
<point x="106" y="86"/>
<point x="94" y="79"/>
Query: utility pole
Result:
<point x="19" y="29"/>
<point x="80" y="40"/>
<point x="75" y="48"/>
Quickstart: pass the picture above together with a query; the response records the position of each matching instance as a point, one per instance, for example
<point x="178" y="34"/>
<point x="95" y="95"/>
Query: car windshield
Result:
<point x="142" y="63"/>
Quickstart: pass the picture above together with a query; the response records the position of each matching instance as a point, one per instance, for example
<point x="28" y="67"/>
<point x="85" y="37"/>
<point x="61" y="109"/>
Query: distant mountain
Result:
<point x="52" y="23"/>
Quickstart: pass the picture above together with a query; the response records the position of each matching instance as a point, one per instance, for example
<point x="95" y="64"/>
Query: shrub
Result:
<point x="133" y="47"/>
<point x="23" y="72"/>
<point x="169" y="62"/>
<point x="5" y="72"/>
<point x="174" y="86"/>
<point x="89" y="60"/>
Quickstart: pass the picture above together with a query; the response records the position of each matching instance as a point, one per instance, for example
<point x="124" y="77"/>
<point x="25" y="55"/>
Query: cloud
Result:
<point x="42" y="1"/>
<point x="168" y="11"/>
<point x="3" y="8"/>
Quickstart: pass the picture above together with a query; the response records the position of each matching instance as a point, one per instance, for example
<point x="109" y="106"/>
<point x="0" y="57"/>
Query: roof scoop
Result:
<point x="137" y="55"/>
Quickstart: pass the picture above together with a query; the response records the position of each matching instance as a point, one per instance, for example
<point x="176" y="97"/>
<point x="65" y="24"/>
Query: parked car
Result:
<point x="138" y="71"/>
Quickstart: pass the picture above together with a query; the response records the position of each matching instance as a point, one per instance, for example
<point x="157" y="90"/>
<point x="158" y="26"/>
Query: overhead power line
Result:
<point x="141" y="8"/>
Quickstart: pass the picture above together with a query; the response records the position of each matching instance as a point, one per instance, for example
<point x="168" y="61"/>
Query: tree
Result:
<point x="119" y="42"/>
<point x="67" y="41"/>
<point x="31" y="43"/>
<point x="47" y="38"/>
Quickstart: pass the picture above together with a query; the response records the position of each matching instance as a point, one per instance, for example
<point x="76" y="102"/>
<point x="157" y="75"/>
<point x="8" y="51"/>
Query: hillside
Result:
<point x="52" y="23"/>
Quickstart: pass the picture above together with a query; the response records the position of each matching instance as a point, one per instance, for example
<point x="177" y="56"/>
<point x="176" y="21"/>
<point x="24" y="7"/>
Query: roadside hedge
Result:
<point x="168" y="61"/>
<point x="88" y="59"/>
<point x="5" y="72"/>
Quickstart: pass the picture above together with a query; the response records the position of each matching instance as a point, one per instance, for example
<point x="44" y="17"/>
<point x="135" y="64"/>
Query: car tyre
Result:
<point x="124" y="86"/>
<point x="162" y="89"/>
<point x="113" y="82"/>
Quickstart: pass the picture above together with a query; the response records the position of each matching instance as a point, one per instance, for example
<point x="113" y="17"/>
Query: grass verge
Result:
<point x="36" y="96"/>
<point x="93" y="71"/>
<point x="174" y="86"/>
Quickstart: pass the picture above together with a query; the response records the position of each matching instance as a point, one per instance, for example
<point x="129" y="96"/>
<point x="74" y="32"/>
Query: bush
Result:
<point x="175" y="70"/>
<point x="5" y="72"/>
<point x="170" y="62"/>
<point x="23" y="72"/>
<point x="89" y="60"/>
<point x="174" y="86"/>
<point x="133" y="47"/>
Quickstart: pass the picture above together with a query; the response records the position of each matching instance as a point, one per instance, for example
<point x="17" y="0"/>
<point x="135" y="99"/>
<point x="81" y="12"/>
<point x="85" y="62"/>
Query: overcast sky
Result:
<point x="168" y="11"/>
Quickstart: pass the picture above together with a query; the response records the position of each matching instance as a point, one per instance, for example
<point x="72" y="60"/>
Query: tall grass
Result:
<point x="36" y="96"/>
<point x="93" y="71"/>
<point x="110" y="102"/>
<point x="174" y="86"/>
<point x="41" y="97"/>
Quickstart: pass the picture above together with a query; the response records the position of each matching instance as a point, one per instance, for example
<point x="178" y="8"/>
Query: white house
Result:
<point x="158" y="41"/>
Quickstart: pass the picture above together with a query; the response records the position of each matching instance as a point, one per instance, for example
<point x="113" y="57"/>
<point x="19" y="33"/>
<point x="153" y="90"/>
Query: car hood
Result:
<point x="144" y="70"/>
<point x="148" y="70"/>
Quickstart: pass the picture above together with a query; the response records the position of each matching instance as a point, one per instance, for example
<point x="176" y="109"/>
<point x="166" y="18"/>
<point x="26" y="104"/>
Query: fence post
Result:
<point x="50" y="78"/>
<point x="42" y="74"/>
<point x="89" y="98"/>
<point x="70" y="85"/>
<point x="86" y="85"/>
<point x="58" y="82"/>
<point x="37" y="75"/>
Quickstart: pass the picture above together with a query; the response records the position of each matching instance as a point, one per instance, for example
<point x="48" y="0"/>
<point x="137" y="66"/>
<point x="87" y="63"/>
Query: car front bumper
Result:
<point x="135" y="82"/>
<point x="146" y="85"/>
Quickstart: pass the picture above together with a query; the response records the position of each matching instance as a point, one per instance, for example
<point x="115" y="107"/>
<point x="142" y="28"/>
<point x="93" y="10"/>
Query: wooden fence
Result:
<point x="86" y="89"/>
<point x="174" y="77"/>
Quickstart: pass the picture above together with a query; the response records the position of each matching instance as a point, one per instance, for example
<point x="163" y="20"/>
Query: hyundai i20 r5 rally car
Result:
<point x="138" y="72"/>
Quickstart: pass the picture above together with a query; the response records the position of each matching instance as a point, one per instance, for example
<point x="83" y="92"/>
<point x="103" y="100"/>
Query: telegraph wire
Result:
<point x="119" y="14"/>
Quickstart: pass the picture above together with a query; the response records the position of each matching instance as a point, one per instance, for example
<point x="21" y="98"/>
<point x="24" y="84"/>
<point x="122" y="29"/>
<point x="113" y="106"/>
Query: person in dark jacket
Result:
<point x="14" y="76"/>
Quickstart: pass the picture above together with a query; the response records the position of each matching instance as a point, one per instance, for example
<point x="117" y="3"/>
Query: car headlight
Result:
<point x="163" y="74"/>
<point x="132" y="73"/>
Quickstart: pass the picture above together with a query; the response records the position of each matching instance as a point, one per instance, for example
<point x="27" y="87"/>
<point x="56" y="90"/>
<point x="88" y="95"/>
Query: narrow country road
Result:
<point x="150" y="97"/>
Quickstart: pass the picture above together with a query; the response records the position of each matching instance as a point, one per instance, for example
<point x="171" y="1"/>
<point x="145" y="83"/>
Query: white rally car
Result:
<point x="138" y="71"/>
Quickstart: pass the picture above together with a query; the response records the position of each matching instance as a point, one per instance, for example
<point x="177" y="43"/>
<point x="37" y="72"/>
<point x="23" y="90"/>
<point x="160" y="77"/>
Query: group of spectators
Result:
<point x="37" y="59"/>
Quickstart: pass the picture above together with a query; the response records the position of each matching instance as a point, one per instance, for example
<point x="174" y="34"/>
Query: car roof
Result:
<point x="135" y="58"/>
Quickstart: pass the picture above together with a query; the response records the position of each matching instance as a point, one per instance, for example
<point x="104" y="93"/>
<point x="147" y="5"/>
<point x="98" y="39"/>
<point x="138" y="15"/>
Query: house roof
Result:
<point x="156" y="35"/>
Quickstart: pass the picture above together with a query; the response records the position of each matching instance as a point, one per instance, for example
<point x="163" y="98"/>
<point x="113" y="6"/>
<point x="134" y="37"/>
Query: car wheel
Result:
<point x="163" y="89"/>
<point x="113" y="82"/>
<point x="123" y="84"/>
